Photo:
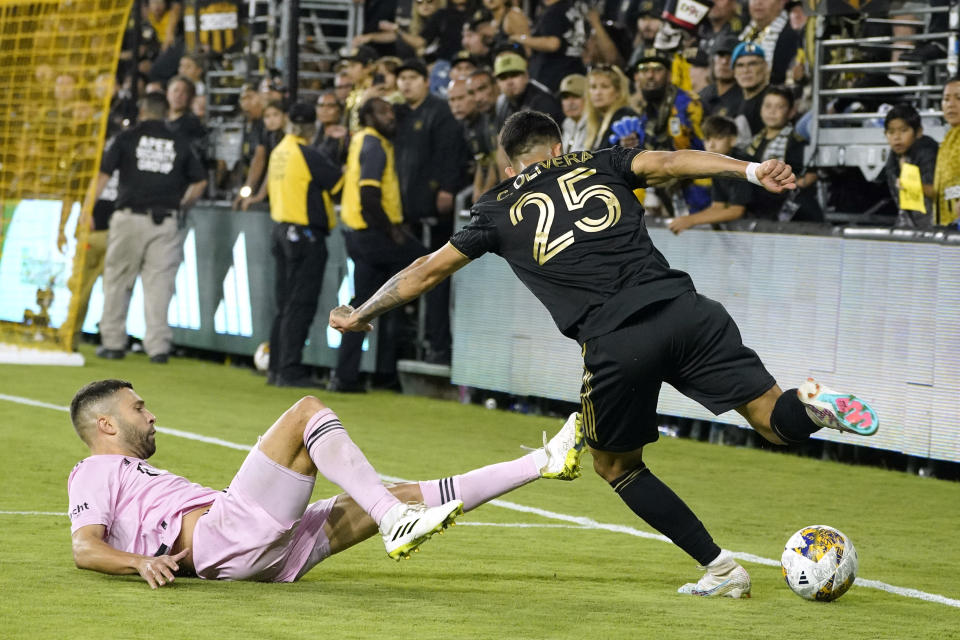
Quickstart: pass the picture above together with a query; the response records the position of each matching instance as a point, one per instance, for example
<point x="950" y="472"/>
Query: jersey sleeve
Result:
<point x="373" y="162"/>
<point x="89" y="492"/>
<point x="477" y="238"/>
<point x="621" y="161"/>
<point x="111" y="156"/>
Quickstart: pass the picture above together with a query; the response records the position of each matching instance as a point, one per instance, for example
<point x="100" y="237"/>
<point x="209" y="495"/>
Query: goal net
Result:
<point x="58" y="61"/>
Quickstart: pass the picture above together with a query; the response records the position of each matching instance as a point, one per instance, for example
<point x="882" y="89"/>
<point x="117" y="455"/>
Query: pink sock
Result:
<point x="480" y="485"/>
<point x="342" y="463"/>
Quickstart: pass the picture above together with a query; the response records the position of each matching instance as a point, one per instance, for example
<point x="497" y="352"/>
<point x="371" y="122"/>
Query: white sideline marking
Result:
<point x="584" y="523"/>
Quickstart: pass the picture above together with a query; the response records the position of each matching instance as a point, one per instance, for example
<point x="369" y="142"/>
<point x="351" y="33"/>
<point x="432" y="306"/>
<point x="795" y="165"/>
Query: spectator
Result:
<point x="728" y="197"/>
<point x="462" y="105"/>
<point x="508" y="21"/>
<point x="180" y="93"/>
<point x="443" y="31"/>
<point x="670" y="121"/>
<point x="160" y="177"/>
<point x="360" y="67"/>
<point x="332" y="137"/>
<point x="779" y="140"/>
<point x="556" y="44"/>
<point x="648" y="24"/>
<point x="275" y="124"/>
<point x="723" y="96"/>
<point x="165" y="20"/>
<point x="342" y="84"/>
<point x="572" y="101"/>
<point x="482" y="133"/>
<point x="519" y="92"/>
<point x="398" y="38"/>
<point x="909" y="169"/>
<point x="462" y="65"/>
<point x="769" y="28"/>
<point x="429" y="146"/>
<point x="750" y="71"/>
<point x="723" y="19"/>
<point x="607" y="94"/>
<point x="299" y="180"/>
<point x="478" y="35"/>
<point x="947" y="178"/>
<point x="385" y="79"/>
<point x="191" y="67"/>
<point x="251" y="106"/>
<point x="607" y="42"/>
<point x="371" y="208"/>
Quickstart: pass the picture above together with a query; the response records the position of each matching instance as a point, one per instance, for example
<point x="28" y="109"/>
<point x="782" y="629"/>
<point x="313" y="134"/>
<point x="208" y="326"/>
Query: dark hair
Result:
<point x="93" y="393"/>
<point x="525" y="130"/>
<point x="366" y="110"/>
<point x="482" y="71"/>
<point x="719" y="127"/>
<point x="279" y="105"/>
<point x="905" y="112"/>
<point x="155" y="103"/>
<point x="783" y="92"/>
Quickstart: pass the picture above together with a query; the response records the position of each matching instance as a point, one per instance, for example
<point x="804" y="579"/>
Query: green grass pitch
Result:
<point x="506" y="572"/>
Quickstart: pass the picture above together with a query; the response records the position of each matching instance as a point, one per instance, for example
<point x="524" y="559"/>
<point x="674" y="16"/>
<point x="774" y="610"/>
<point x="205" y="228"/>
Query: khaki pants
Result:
<point x="137" y="246"/>
<point x="85" y="272"/>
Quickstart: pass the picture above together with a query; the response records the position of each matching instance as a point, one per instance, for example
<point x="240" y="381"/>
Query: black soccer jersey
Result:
<point x="572" y="230"/>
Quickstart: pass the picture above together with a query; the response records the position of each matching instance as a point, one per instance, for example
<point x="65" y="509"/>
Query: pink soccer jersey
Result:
<point x="141" y="506"/>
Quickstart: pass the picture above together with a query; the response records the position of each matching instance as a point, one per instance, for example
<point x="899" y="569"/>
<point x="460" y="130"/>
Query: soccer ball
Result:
<point x="819" y="563"/>
<point x="261" y="357"/>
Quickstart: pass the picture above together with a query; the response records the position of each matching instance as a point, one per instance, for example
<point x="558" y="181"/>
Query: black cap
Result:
<point x="652" y="54"/>
<point x="413" y="64"/>
<point x="364" y="54"/>
<point x="463" y="56"/>
<point x="649" y="8"/>
<point x="302" y="113"/>
<point x="724" y="43"/>
<point x="478" y="17"/>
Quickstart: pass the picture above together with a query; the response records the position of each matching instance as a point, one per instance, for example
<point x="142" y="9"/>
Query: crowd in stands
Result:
<point x="728" y="76"/>
<point x="629" y="72"/>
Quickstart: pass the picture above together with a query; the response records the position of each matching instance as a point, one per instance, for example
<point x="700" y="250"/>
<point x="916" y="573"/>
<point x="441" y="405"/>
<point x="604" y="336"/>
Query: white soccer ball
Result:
<point x="819" y="563"/>
<point x="261" y="357"/>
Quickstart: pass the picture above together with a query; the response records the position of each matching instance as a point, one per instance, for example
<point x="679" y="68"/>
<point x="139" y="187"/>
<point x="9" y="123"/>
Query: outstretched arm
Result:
<point x="91" y="552"/>
<point x="662" y="166"/>
<point x="422" y="275"/>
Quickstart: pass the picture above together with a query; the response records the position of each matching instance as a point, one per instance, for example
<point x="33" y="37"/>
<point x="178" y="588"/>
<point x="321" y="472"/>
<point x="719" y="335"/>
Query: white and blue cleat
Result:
<point x="840" y="411"/>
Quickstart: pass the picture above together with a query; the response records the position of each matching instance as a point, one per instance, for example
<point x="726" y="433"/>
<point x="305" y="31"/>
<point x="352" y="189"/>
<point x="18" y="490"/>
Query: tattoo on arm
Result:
<point x="387" y="298"/>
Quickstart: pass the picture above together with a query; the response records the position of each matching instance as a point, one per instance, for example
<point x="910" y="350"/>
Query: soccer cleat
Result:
<point x="840" y="411"/>
<point x="724" y="578"/>
<point x="417" y="524"/>
<point x="564" y="451"/>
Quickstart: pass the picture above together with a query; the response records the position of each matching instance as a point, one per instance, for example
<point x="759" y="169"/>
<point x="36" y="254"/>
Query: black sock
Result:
<point x="790" y="420"/>
<point x="663" y="510"/>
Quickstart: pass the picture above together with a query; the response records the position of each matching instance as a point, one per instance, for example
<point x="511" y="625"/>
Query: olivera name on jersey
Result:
<point x="566" y="160"/>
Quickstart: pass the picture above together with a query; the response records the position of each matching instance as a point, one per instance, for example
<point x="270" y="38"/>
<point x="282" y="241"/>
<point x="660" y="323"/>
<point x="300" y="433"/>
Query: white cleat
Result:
<point x="564" y="451"/>
<point x="840" y="411"/>
<point x="415" y="525"/>
<point x="724" y="578"/>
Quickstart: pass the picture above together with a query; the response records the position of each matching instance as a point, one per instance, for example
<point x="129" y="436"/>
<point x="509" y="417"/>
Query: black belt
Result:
<point x="159" y="214"/>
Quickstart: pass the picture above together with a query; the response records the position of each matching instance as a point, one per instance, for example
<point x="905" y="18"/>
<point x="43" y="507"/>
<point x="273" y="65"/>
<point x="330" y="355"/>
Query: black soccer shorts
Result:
<point x="690" y="342"/>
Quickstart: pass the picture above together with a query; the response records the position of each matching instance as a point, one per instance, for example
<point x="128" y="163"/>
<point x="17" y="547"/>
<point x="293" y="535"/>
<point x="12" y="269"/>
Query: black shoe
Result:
<point x="339" y="386"/>
<point x="111" y="354"/>
<point x="271" y="377"/>
<point x="389" y="382"/>
<point x="160" y="358"/>
<point x="437" y="357"/>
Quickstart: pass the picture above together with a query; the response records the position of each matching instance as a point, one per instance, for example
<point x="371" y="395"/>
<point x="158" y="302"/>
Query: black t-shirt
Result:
<point x="727" y="105"/>
<point x="750" y="109"/>
<point x="156" y="166"/>
<point x="572" y="230"/>
<point x="765" y="205"/>
<point x="443" y="32"/>
<point x="561" y="20"/>
<point x="923" y="153"/>
<point x="534" y="98"/>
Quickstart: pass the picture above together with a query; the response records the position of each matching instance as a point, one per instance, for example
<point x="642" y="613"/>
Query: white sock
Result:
<point x="539" y="457"/>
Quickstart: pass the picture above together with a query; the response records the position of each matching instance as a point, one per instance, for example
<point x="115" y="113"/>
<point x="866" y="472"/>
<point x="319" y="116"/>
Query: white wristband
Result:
<point x="752" y="173"/>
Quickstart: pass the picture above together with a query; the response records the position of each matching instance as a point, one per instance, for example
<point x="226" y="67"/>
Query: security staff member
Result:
<point x="376" y="243"/>
<point x="299" y="178"/>
<point x="160" y="177"/>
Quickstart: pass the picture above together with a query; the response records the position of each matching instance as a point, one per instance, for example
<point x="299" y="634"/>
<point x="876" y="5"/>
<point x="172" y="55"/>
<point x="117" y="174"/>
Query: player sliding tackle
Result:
<point x="129" y="517"/>
<point x="573" y="232"/>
